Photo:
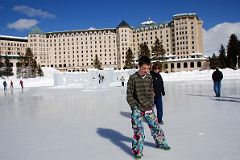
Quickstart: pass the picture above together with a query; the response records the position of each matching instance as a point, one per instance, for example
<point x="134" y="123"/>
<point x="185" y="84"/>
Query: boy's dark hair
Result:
<point x="144" y="60"/>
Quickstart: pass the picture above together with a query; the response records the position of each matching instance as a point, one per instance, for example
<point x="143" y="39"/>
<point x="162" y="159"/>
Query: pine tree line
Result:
<point x="226" y="59"/>
<point x="157" y="50"/>
<point x="229" y="58"/>
<point x="157" y="53"/>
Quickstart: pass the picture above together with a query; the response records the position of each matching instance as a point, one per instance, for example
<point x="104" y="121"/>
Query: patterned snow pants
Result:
<point x="138" y="129"/>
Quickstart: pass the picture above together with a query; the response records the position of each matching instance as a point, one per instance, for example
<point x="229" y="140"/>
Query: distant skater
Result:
<point x="11" y="84"/>
<point x="122" y="80"/>
<point x="21" y="83"/>
<point x="5" y="85"/>
<point x="99" y="78"/>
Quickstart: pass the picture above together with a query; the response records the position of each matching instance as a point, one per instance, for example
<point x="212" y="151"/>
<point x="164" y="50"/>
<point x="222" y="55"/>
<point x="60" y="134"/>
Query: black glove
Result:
<point x="163" y="93"/>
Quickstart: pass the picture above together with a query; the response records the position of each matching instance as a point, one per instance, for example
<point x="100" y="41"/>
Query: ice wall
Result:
<point x="91" y="79"/>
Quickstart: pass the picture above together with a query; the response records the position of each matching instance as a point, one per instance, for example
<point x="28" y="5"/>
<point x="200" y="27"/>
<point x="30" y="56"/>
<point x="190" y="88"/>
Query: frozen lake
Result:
<point x="69" y="123"/>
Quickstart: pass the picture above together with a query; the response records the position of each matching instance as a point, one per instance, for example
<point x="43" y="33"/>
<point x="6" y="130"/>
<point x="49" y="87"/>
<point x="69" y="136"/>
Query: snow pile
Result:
<point x="47" y="80"/>
<point x="49" y="72"/>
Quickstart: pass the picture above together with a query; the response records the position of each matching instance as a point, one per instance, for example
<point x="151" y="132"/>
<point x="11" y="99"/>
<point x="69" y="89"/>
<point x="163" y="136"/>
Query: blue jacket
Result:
<point x="158" y="85"/>
<point x="4" y="83"/>
<point x="217" y="76"/>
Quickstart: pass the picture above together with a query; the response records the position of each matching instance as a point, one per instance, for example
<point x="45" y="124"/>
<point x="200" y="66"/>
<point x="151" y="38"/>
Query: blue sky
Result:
<point x="17" y="16"/>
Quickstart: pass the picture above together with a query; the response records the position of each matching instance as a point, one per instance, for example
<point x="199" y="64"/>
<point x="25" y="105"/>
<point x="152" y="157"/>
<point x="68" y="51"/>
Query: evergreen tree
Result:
<point x="33" y="68"/>
<point x="144" y="50"/>
<point x="19" y="70"/>
<point x="1" y="63"/>
<point x="233" y="50"/>
<point x="158" y="50"/>
<point x="239" y="54"/>
<point x="39" y="71"/>
<point x="20" y="66"/>
<point x="222" y="57"/>
<point x="8" y="68"/>
<point x="129" y="63"/>
<point x="214" y="62"/>
<point x="28" y="57"/>
<point x="97" y="63"/>
<point x="29" y="53"/>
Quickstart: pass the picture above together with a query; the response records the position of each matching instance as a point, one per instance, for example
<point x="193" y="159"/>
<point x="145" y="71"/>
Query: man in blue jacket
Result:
<point x="5" y="85"/>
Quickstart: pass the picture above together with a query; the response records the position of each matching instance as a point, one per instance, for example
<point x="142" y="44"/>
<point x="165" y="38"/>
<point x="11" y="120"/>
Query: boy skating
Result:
<point x="140" y="97"/>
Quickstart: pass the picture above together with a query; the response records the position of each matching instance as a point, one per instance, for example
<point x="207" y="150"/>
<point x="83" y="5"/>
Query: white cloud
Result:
<point x="91" y="28"/>
<point x="32" y="12"/>
<point x="22" y="24"/>
<point x="218" y="35"/>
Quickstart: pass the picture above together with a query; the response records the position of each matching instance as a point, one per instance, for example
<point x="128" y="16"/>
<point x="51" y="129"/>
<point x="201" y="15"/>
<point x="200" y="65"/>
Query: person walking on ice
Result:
<point x="11" y="84"/>
<point x="21" y="83"/>
<point x="122" y="79"/>
<point x="5" y="85"/>
<point x="217" y="77"/>
<point x="140" y="97"/>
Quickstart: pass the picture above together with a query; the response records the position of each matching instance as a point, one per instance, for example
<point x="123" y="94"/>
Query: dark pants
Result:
<point x="159" y="105"/>
<point x="123" y="84"/>
<point x="217" y="88"/>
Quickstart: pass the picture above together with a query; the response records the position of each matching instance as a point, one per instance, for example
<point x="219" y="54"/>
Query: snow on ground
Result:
<point x="47" y="80"/>
<point x="76" y="122"/>
<point x="66" y="123"/>
<point x="199" y="75"/>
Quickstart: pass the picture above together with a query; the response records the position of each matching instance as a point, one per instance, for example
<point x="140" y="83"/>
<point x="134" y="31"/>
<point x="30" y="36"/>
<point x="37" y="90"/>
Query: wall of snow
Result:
<point x="91" y="78"/>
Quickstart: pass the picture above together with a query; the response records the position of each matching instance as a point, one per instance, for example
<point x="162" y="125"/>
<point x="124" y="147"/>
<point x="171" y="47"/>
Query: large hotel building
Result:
<point x="75" y="50"/>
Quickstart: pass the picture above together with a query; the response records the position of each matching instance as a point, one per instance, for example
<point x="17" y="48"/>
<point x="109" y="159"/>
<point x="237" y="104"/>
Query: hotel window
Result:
<point x="199" y="64"/>
<point x="185" y="65"/>
<point x="192" y="64"/>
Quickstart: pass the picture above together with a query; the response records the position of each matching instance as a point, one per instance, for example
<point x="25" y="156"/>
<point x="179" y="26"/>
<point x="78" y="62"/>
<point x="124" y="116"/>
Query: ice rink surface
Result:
<point x="72" y="123"/>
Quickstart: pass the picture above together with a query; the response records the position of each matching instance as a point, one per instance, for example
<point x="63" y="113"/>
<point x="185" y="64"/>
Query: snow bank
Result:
<point x="114" y="80"/>
<point x="199" y="75"/>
